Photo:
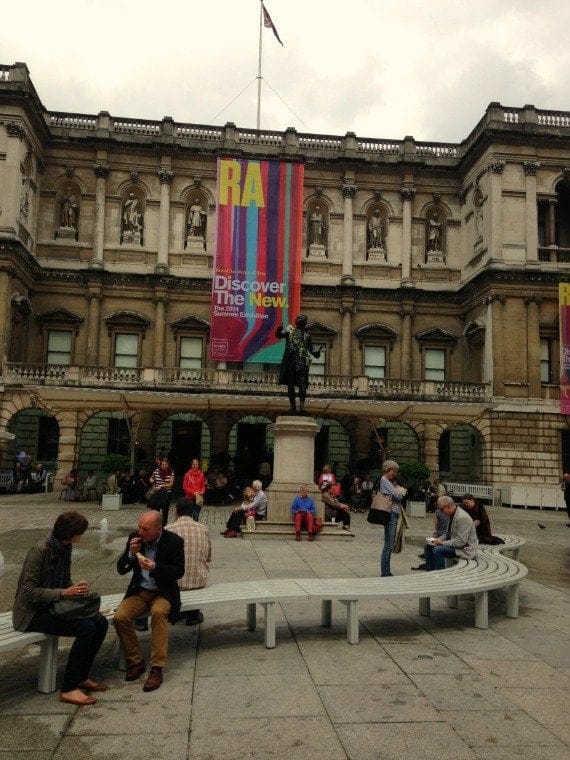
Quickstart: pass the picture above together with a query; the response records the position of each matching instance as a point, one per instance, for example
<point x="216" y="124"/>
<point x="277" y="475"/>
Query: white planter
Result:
<point x="112" y="501"/>
<point x="417" y="509"/>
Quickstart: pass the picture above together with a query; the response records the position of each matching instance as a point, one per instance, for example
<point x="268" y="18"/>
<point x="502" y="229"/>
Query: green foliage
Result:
<point x="413" y="473"/>
<point x="113" y="462"/>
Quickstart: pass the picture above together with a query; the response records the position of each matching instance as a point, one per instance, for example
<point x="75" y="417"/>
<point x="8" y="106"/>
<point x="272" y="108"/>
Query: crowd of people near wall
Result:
<point x="25" y="476"/>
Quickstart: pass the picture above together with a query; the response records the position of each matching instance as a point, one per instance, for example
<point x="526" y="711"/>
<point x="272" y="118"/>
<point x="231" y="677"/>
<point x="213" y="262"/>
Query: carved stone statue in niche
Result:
<point x="435" y="253"/>
<point x="375" y="237"/>
<point x="68" y="215"/>
<point x="132" y="219"/>
<point x="196" y="225"/>
<point x="478" y="216"/>
<point x="317" y="232"/>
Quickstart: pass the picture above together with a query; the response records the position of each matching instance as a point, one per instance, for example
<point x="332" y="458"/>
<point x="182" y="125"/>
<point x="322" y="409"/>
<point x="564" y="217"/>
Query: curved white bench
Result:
<point x="488" y="571"/>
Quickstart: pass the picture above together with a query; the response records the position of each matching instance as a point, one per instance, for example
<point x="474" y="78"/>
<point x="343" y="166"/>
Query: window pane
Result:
<point x="434" y="364"/>
<point x="544" y="361"/>
<point x="59" y="347"/>
<point x="317" y="366"/>
<point x="126" y="350"/>
<point x="191" y="353"/>
<point x="375" y="361"/>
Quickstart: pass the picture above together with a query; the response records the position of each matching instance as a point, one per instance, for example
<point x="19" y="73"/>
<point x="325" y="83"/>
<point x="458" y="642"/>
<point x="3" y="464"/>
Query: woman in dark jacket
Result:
<point x="45" y="578"/>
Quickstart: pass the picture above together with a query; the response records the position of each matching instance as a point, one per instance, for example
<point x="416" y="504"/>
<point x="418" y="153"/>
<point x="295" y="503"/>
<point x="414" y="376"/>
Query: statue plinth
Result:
<point x="435" y="257"/>
<point x="131" y="237"/>
<point x="377" y="254"/>
<point x="294" y="458"/>
<point x="194" y="244"/>
<point x="317" y="251"/>
<point x="66" y="233"/>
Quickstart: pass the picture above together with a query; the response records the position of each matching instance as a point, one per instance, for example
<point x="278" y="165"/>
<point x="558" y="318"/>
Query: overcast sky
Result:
<point x="380" y="68"/>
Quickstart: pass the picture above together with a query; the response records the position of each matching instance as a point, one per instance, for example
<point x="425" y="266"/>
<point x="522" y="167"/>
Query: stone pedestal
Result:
<point x="435" y="257"/>
<point x="317" y="251"/>
<point x="376" y="254"/>
<point x="131" y="237"/>
<point x="294" y="457"/>
<point x="66" y="233"/>
<point x="194" y="244"/>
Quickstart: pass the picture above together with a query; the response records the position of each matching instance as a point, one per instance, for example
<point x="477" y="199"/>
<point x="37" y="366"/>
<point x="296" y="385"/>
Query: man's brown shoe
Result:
<point x="135" y="671"/>
<point x="154" y="679"/>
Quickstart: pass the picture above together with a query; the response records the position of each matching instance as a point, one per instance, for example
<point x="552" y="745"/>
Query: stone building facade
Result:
<point x="431" y="279"/>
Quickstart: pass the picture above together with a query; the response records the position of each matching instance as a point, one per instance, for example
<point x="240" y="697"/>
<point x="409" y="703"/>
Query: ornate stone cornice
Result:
<point x="530" y="168"/>
<point x="165" y="176"/>
<point x="533" y="299"/>
<point x="101" y="170"/>
<point x="14" y="129"/>
<point x="348" y="190"/>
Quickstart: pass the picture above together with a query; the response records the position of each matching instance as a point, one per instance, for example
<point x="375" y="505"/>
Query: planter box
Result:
<point x="112" y="501"/>
<point x="417" y="509"/>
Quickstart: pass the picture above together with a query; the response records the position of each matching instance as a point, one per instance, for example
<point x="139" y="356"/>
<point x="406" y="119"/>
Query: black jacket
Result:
<point x="169" y="568"/>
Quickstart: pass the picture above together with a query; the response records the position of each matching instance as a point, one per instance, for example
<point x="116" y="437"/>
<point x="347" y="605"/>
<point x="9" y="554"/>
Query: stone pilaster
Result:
<point x="407" y="194"/>
<point x="347" y="310"/>
<point x="93" y="327"/>
<point x="159" y="301"/>
<point x="498" y="346"/>
<point x="348" y="193"/>
<point x="101" y="173"/>
<point x="69" y="441"/>
<point x="166" y="176"/>
<point x="5" y="314"/>
<point x="530" y="169"/>
<point x="11" y="188"/>
<point x="496" y="169"/>
<point x="533" y="346"/>
<point x="406" y="368"/>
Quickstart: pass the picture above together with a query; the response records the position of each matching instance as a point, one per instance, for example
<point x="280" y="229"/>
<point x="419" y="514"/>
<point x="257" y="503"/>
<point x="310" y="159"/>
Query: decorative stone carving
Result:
<point x="530" y="168"/>
<point x="69" y="171"/>
<point x="68" y="215"/>
<point x="348" y="190"/>
<point x="101" y="170"/>
<point x="15" y="130"/>
<point x="435" y="253"/>
<point x="317" y="232"/>
<point x="478" y="215"/>
<point x="132" y="221"/>
<point x="165" y="176"/>
<point x="196" y="225"/>
<point x="407" y="193"/>
<point x="497" y="167"/>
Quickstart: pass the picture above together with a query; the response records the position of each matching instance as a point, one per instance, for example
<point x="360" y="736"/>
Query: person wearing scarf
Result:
<point x="45" y="578"/>
<point x="162" y="480"/>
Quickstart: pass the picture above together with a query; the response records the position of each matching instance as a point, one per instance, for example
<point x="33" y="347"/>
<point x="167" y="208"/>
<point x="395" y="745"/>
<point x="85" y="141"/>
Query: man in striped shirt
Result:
<point x="197" y="553"/>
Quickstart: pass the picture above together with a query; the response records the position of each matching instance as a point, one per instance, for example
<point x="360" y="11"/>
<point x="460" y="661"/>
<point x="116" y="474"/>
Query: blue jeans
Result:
<point x="436" y="556"/>
<point x="389" y="534"/>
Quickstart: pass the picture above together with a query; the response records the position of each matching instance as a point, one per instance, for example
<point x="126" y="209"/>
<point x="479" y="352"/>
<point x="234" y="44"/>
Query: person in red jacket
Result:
<point x="194" y="487"/>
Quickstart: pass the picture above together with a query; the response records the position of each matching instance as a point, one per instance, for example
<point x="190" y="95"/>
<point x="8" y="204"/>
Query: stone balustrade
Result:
<point x="240" y="380"/>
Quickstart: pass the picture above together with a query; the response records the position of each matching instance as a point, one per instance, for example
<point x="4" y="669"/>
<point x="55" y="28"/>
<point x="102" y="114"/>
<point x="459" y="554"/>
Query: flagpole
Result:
<point x="259" y="77"/>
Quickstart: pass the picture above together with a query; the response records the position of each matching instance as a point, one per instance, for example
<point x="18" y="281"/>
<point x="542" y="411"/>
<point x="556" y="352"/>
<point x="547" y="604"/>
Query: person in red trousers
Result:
<point x="304" y="511"/>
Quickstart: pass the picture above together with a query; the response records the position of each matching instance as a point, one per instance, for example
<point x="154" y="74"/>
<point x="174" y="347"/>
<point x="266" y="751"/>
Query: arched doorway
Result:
<point x="461" y="452"/>
<point x="250" y="443"/>
<point x="332" y="446"/>
<point x="36" y="431"/>
<point x="182" y="437"/>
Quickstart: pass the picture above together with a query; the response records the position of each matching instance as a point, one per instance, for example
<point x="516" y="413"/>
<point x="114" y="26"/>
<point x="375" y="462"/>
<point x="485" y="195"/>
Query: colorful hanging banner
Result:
<point x="257" y="262"/>
<point x="564" y="321"/>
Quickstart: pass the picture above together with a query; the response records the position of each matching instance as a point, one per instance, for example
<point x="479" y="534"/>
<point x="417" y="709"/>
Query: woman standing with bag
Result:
<point x="390" y="497"/>
<point x="162" y="482"/>
<point x="194" y="487"/>
<point x="46" y="578"/>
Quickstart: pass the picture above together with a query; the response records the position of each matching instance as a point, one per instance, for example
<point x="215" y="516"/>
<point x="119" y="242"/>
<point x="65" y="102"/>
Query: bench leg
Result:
<point x="452" y="602"/>
<point x="481" y="610"/>
<point x="425" y="606"/>
<point x="352" y="621"/>
<point x="269" y="624"/>
<point x="513" y="601"/>
<point x="48" y="665"/>
<point x="326" y="613"/>
<point x="251" y="616"/>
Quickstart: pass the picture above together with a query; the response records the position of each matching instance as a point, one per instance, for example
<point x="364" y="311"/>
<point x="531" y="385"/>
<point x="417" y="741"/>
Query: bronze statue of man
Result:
<point x="297" y="356"/>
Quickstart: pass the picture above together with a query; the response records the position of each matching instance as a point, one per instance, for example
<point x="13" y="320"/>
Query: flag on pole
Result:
<point x="268" y="23"/>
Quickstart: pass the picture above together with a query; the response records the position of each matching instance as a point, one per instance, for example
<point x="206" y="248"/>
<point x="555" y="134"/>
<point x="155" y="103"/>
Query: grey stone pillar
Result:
<point x="407" y="194"/>
<point x="101" y="174"/>
<point x="165" y="176"/>
<point x="530" y="169"/>
<point x="348" y="192"/>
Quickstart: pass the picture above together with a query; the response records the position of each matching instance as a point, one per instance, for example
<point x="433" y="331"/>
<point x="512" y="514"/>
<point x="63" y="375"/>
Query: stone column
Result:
<point x="294" y="461"/>
<point x="68" y="445"/>
<point x="496" y="169"/>
<point x="551" y="223"/>
<point x="530" y="169"/>
<point x="5" y="314"/>
<point x="407" y="194"/>
<point x="101" y="174"/>
<point x="533" y="346"/>
<point x="348" y="192"/>
<point x="159" y="301"/>
<point x="165" y="176"/>
<point x="93" y="297"/>
<point x="431" y="447"/>
<point x="406" y="366"/>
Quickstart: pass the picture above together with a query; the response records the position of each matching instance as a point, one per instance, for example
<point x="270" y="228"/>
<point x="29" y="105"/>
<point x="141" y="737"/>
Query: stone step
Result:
<point x="285" y="531"/>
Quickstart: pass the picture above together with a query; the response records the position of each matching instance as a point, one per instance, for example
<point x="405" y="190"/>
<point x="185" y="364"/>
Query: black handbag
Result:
<point x="76" y="607"/>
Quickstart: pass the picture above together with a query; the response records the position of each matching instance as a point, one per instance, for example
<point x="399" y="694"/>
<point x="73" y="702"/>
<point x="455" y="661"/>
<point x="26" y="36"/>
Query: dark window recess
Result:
<point x="48" y="439"/>
<point x="118" y="439"/>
